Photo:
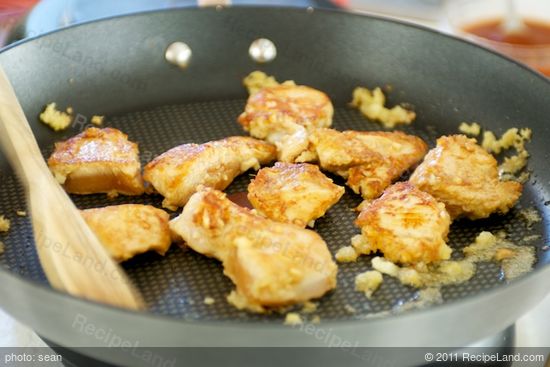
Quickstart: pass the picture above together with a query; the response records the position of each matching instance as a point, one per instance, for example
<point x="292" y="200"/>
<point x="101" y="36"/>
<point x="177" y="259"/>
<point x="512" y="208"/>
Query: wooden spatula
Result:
<point x="72" y="257"/>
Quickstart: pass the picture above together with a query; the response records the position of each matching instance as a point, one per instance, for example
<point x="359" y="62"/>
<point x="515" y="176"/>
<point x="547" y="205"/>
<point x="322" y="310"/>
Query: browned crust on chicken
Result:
<point x="129" y="230"/>
<point x="98" y="161"/>
<point x="369" y="160"/>
<point x="271" y="263"/>
<point x="293" y="193"/>
<point x="407" y="225"/>
<point x="177" y="173"/>
<point x="462" y="175"/>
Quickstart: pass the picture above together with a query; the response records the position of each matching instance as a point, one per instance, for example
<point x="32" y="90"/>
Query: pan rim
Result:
<point x="540" y="272"/>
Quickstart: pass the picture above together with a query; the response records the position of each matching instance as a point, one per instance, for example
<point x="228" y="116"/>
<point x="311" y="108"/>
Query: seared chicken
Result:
<point x="463" y="176"/>
<point x="98" y="161"/>
<point x="285" y="115"/>
<point x="369" y="160"/>
<point x="128" y="230"/>
<point x="176" y="173"/>
<point x="293" y="193"/>
<point x="407" y="225"/>
<point x="271" y="263"/>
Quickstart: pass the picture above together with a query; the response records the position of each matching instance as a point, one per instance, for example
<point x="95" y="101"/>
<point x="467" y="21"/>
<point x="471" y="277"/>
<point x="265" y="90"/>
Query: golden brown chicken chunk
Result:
<point x="271" y="263"/>
<point x="369" y="160"/>
<point x="407" y="225"/>
<point x="285" y="115"/>
<point x="293" y="193"/>
<point x="129" y="230"/>
<point x="463" y="176"/>
<point x="177" y="173"/>
<point x="98" y="161"/>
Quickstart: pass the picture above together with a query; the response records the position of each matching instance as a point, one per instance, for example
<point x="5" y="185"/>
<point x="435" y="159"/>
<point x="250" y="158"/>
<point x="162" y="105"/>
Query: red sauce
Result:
<point x="533" y="32"/>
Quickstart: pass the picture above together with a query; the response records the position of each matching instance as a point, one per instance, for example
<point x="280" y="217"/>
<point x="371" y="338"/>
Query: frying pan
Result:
<point x="116" y="67"/>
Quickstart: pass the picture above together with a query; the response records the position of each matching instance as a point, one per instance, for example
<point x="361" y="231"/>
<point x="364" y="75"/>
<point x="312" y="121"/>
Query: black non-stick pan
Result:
<point x="117" y="67"/>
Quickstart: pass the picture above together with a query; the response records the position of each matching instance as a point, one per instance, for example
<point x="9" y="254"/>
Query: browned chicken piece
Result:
<point x="407" y="225"/>
<point x="463" y="176"/>
<point x="271" y="263"/>
<point x="369" y="160"/>
<point x="285" y="115"/>
<point x="129" y="230"/>
<point x="98" y="161"/>
<point x="293" y="193"/>
<point x="177" y="173"/>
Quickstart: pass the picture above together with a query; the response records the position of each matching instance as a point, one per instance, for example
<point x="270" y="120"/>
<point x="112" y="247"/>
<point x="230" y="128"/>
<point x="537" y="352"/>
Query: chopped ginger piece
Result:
<point x="21" y="213"/>
<point x="97" y="120"/>
<point x="257" y="80"/>
<point x="470" y="129"/>
<point x="504" y="253"/>
<point x="309" y="307"/>
<point x="293" y="318"/>
<point x="513" y="164"/>
<point x="2" y="247"/>
<point x="4" y="224"/>
<point x="368" y="282"/>
<point x="513" y="137"/>
<point x="385" y="266"/>
<point x="57" y="120"/>
<point x="209" y="301"/>
<point x="346" y="254"/>
<point x="371" y="104"/>
<point x="315" y="320"/>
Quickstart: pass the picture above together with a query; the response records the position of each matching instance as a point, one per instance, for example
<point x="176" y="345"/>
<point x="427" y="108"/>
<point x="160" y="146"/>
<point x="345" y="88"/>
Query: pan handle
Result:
<point x="202" y="3"/>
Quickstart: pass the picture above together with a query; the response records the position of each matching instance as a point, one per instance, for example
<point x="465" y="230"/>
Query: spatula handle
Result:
<point x="16" y="136"/>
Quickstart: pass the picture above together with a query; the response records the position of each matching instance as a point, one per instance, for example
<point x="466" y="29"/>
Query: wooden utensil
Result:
<point x="72" y="257"/>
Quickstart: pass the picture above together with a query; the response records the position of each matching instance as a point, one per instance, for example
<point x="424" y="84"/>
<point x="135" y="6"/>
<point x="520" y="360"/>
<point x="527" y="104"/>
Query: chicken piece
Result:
<point x="177" y="173"/>
<point x="129" y="230"/>
<point x="293" y="193"/>
<point x="369" y="160"/>
<point x="285" y="115"/>
<point x="271" y="263"/>
<point x="407" y="225"/>
<point x="98" y="161"/>
<point x="463" y="176"/>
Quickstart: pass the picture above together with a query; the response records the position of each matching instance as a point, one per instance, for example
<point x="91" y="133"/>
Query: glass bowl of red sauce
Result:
<point x="485" y="22"/>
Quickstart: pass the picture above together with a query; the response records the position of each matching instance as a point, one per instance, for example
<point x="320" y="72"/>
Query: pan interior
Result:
<point x="177" y="284"/>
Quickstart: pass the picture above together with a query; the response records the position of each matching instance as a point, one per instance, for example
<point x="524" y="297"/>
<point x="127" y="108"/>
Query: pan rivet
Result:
<point x="262" y="50"/>
<point x="179" y="54"/>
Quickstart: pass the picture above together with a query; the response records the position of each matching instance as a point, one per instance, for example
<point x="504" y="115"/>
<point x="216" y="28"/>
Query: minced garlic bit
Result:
<point x="368" y="282"/>
<point x="209" y="301"/>
<point x="236" y="299"/>
<point x="513" y="164"/>
<point x="515" y="261"/>
<point x="346" y="254"/>
<point x="309" y="307"/>
<point x="97" y="120"/>
<point x="385" y="266"/>
<point x="2" y="247"/>
<point x="292" y="319"/>
<point x="531" y="216"/>
<point x="4" y="224"/>
<point x="371" y="104"/>
<point x="258" y="80"/>
<point x="513" y="137"/>
<point x="57" y="120"/>
<point x="470" y="129"/>
<point x="316" y="319"/>
<point x="350" y="309"/>
<point x="21" y="213"/>
<point x="69" y="110"/>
